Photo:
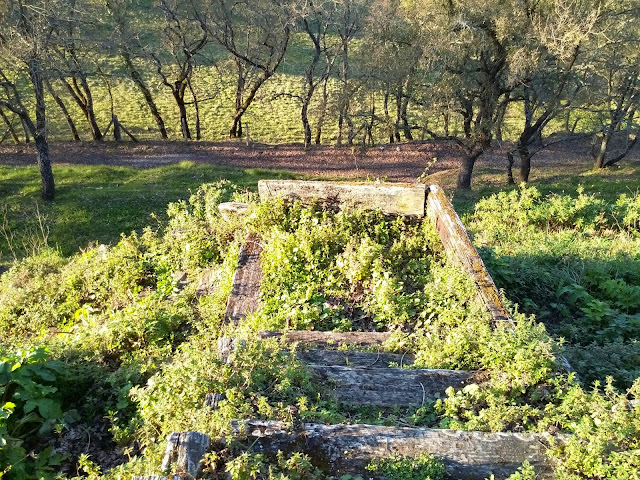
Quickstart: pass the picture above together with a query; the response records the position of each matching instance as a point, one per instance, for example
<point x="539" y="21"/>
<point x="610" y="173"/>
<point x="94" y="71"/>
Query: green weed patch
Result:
<point x="140" y="345"/>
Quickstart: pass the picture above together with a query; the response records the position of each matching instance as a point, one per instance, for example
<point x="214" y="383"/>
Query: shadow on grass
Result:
<point x="598" y="343"/>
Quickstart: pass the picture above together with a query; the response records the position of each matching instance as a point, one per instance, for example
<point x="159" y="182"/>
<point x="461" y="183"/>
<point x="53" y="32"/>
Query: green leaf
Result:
<point x="49" y="409"/>
<point x="29" y="406"/>
<point x="44" y="373"/>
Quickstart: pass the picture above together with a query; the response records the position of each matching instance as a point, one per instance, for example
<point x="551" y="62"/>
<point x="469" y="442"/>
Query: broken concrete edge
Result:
<point x="245" y="288"/>
<point x="405" y="199"/>
<point x="347" y="449"/>
<point x="185" y="451"/>
<point x="458" y="245"/>
<point x="460" y="249"/>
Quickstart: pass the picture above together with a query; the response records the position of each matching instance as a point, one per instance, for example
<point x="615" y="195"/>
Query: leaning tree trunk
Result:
<point x="26" y="130"/>
<point x="39" y="131"/>
<point x="63" y="109"/>
<point x="146" y="93"/>
<point x="178" y="95"/>
<point x="90" y="112"/>
<point x="84" y="100"/>
<point x="236" y="127"/>
<point x="602" y="152"/>
<point x="11" y="130"/>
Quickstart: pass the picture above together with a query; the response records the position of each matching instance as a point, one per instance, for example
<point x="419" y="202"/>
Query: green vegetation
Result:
<point x="424" y="467"/>
<point x="97" y="203"/>
<point x="121" y="325"/>
<point x="30" y="403"/>
<point x="573" y="261"/>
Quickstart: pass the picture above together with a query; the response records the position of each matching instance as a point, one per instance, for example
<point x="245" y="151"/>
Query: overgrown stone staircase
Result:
<point x="357" y="372"/>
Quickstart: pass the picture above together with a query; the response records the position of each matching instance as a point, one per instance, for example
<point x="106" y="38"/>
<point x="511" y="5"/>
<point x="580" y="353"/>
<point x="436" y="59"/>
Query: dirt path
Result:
<point x="401" y="162"/>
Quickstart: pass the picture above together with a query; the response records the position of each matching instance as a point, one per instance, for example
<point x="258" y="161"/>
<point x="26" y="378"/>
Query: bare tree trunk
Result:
<point x="305" y="117"/>
<point x="146" y="93"/>
<point x="11" y="130"/>
<point x="510" y="162"/>
<point x="82" y="96"/>
<point x="306" y="100"/>
<point x="619" y="157"/>
<point x="325" y="97"/>
<point x="63" y="109"/>
<point x="196" y="106"/>
<point x="525" y="162"/>
<point x="91" y="115"/>
<point x="178" y="95"/>
<point x="340" y="123"/>
<point x="396" y="131"/>
<point x="369" y="133"/>
<point x="117" y="131"/>
<point x="404" y="117"/>
<point x="388" y="117"/>
<point x="236" y="129"/>
<point x="323" y="111"/>
<point x="39" y="131"/>
<point x="351" y="134"/>
<point x="466" y="168"/>
<point x="311" y="86"/>
<point x="602" y="152"/>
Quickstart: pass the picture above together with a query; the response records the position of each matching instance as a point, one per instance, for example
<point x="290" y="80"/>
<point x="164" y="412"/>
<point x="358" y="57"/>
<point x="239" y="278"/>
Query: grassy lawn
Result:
<point x="607" y="184"/>
<point x="568" y="258"/>
<point x="98" y="203"/>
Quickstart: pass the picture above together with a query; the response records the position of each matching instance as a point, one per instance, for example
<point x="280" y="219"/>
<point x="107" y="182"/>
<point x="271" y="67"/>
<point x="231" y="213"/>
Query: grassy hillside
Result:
<point x="95" y="204"/>
<point x="274" y="117"/>
<point x="117" y="342"/>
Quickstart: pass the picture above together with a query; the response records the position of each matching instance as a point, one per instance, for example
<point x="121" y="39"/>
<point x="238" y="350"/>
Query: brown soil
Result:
<point x="400" y="162"/>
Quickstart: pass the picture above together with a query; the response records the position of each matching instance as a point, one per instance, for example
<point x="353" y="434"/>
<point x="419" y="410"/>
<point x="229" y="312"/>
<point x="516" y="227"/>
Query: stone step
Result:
<point x="354" y="358"/>
<point x="386" y="386"/>
<point x="330" y="339"/>
<point x="347" y="449"/>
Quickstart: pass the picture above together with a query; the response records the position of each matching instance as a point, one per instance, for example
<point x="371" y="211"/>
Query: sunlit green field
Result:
<point x="98" y="203"/>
